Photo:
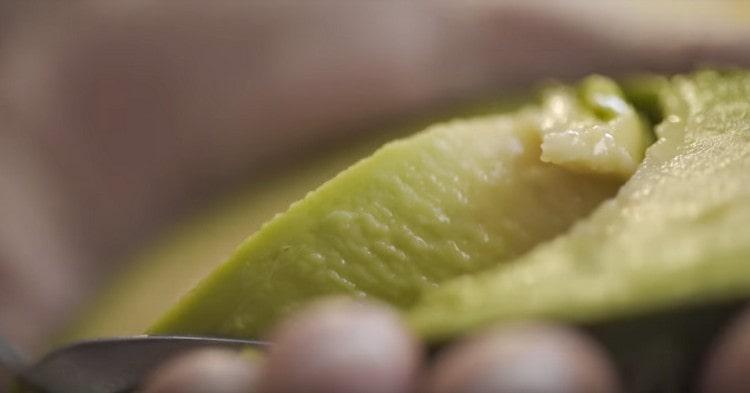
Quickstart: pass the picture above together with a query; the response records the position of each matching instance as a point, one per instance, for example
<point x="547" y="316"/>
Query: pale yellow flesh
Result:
<point x="593" y="129"/>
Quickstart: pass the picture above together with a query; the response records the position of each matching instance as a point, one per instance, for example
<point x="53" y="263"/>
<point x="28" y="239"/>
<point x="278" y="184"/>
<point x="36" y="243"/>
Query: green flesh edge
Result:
<point x="456" y="199"/>
<point x="675" y="235"/>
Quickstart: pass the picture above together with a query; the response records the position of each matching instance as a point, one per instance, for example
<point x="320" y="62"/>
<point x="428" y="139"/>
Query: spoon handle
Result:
<point x="10" y="359"/>
<point x="113" y="364"/>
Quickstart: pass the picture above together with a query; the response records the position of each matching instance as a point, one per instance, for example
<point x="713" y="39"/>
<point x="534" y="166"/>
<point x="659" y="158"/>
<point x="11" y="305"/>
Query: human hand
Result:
<point x="347" y="346"/>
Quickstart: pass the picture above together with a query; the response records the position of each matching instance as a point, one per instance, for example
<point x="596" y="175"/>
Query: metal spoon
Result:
<point x="109" y="365"/>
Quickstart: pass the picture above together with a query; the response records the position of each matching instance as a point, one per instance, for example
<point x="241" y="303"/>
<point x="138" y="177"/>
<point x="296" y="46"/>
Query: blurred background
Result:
<point x="156" y="133"/>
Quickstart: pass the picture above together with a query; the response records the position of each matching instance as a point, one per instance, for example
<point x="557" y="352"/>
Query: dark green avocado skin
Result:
<point x="664" y="352"/>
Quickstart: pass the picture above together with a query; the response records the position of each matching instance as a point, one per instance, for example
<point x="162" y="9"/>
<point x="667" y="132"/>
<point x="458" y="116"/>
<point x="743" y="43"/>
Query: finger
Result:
<point x="728" y="363"/>
<point x="524" y="358"/>
<point x="342" y="346"/>
<point x="205" y="371"/>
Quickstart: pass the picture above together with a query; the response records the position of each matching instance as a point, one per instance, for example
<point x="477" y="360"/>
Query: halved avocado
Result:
<point x="456" y="199"/>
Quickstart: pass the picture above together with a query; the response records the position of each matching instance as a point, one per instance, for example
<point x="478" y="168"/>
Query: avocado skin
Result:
<point x="664" y="352"/>
<point x="657" y="352"/>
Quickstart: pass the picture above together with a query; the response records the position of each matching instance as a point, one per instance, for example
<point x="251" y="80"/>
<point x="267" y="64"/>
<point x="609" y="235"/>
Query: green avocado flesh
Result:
<point x="515" y="216"/>
<point x="458" y="198"/>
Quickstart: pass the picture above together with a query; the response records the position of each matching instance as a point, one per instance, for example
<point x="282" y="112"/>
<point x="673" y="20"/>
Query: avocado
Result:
<point x="641" y="242"/>
<point x="456" y="199"/>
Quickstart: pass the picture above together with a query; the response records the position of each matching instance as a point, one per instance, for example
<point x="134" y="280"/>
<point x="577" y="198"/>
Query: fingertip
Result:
<point x="727" y="366"/>
<point x="342" y="346"/>
<point x="210" y="370"/>
<point x="524" y="358"/>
